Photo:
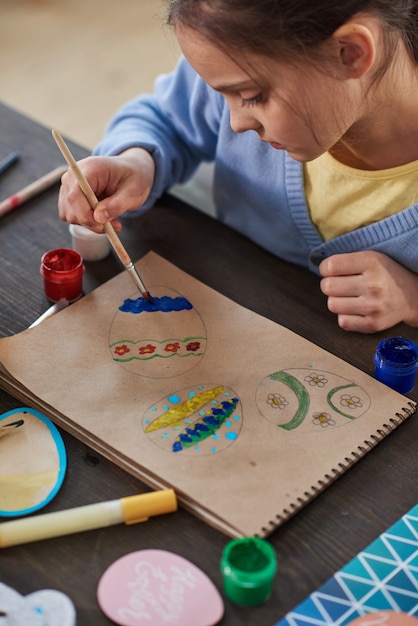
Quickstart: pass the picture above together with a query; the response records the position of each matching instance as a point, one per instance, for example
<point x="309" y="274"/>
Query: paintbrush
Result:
<point x="55" y="308"/>
<point x="108" y="228"/>
<point x="9" y="428"/>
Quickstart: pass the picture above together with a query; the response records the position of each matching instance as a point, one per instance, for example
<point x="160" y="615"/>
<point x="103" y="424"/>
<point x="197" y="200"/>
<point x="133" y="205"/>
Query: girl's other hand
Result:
<point x="369" y="291"/>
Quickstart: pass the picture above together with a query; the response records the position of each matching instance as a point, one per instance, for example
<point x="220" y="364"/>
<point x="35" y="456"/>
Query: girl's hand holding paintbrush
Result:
<point x="122" y="183"/>
<point x="92" y="202"/>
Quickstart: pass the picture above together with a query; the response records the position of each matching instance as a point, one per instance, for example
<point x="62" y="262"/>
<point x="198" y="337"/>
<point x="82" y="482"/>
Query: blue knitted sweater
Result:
<point x="257" y="190"/>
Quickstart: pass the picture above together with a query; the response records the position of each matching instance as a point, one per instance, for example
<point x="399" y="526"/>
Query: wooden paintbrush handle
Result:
<point x="116" y="244"/>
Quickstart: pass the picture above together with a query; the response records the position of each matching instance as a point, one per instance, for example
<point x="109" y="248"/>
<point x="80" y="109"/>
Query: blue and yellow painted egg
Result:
<point x="202" y="419"/>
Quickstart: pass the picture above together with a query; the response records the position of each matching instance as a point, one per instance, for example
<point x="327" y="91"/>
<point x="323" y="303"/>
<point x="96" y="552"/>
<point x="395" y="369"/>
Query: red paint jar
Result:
<point x="62" y="270"/>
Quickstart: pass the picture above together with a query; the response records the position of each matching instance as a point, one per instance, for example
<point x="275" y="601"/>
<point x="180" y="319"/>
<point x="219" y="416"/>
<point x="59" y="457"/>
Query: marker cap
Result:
<point x="140" y="507"/>
<point x="248" y="566"/>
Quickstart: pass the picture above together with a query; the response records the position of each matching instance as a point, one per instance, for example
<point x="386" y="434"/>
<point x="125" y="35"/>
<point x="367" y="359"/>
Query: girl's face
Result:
<point x="298" y="109"/>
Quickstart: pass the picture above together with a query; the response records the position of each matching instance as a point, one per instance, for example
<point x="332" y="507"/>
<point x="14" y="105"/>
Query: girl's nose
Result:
<point x="243" y="119"/>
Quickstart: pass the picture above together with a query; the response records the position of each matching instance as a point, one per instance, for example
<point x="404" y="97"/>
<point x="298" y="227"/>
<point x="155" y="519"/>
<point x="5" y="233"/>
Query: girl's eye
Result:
<point x="246" y="102"/>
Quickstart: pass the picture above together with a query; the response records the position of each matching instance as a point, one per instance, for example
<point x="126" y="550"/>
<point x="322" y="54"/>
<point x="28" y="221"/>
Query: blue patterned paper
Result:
<point x="382" y="577"/>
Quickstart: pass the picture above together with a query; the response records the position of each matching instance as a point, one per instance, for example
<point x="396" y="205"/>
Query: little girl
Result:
<point x="309" y="112"/>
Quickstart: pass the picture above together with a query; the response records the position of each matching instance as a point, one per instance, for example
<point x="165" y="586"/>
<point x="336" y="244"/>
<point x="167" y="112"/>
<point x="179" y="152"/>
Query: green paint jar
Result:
<point x="248" y="566"/>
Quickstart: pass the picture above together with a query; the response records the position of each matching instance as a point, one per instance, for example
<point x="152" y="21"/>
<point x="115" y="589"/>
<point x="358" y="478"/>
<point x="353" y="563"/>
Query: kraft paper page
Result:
<point x="246" y="420"/>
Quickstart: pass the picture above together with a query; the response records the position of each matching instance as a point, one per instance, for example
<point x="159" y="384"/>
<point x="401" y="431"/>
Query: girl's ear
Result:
<point x="356" y="48"/>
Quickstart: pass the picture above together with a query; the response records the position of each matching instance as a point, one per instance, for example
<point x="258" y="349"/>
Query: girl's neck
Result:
<point x="373" y="154"/>
<point x="386" y="135"/>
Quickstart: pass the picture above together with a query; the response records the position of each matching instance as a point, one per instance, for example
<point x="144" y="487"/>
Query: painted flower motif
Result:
<point x="121" y="350"/>
<point x="323" y="419"/>
<point x="316" y="379"/>
<point x="351" y="402"/>
<point x="172" y="347"/>
<point x="277" y="401"/>
<point x="148" y="349"/>
<point x="193" y="346"/>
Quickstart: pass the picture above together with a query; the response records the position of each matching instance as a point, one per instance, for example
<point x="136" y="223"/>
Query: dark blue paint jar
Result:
<point x="396" y="362"/>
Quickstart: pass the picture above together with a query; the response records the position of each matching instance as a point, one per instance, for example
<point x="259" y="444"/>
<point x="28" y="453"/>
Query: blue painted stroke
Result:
<point x="165" y="304"/>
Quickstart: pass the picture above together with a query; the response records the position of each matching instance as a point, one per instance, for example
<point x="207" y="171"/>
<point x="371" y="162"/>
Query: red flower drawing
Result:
<point x="121" y="350"/>
<point x="193" y="346"/>
<point x="172" y="347"/>
<point x="148" y="349"/>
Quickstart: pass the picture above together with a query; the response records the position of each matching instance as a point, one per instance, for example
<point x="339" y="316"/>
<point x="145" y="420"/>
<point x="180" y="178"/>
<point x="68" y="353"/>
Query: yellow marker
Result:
<point x="130" y="510"/>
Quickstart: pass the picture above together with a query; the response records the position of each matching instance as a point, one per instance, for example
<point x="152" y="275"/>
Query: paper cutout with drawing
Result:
<point x="46" y="607"/>
<point x="158" y="587"/>
<point x="33" y="463"/>
<point x="231" y="439"/>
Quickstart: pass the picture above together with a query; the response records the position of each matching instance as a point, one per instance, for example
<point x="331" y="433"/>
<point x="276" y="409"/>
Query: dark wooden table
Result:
<point x="311" y="546"/>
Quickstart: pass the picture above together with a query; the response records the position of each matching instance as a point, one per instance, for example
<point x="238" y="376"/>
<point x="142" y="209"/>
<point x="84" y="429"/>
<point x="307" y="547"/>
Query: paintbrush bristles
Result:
<point x="93" y="201"/>
<point x="137" y="280"/>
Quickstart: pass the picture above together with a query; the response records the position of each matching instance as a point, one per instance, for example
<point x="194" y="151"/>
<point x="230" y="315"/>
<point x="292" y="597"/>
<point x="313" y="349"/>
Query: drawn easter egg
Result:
<point x="158" y="339"/>
<point x="33" y="461"/>
<point x="203" y="419"/>
<point x="309" y="399"/>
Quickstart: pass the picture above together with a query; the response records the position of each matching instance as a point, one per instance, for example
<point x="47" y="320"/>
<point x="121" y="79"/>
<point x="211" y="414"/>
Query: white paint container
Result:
<point x="92" y="246"/>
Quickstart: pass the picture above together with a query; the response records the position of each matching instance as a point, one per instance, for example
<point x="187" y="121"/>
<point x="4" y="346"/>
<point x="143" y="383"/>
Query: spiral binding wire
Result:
<point x="349" y="461"/>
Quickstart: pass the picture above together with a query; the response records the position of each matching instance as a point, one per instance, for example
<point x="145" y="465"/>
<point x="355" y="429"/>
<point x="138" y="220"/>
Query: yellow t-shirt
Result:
<point x="341" y="198"/>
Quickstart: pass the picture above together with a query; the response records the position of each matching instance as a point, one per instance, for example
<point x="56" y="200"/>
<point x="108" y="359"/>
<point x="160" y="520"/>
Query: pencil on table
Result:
<point x="32" y="190"/>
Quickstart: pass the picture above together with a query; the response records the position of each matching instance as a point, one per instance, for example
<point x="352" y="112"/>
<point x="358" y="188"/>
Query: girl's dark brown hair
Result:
<point x="290" y="28"/>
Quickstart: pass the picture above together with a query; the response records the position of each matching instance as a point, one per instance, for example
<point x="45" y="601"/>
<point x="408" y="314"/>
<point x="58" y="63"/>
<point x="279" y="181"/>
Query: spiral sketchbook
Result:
<point x="381" y="581"/>
<point x="245" y="419"/>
